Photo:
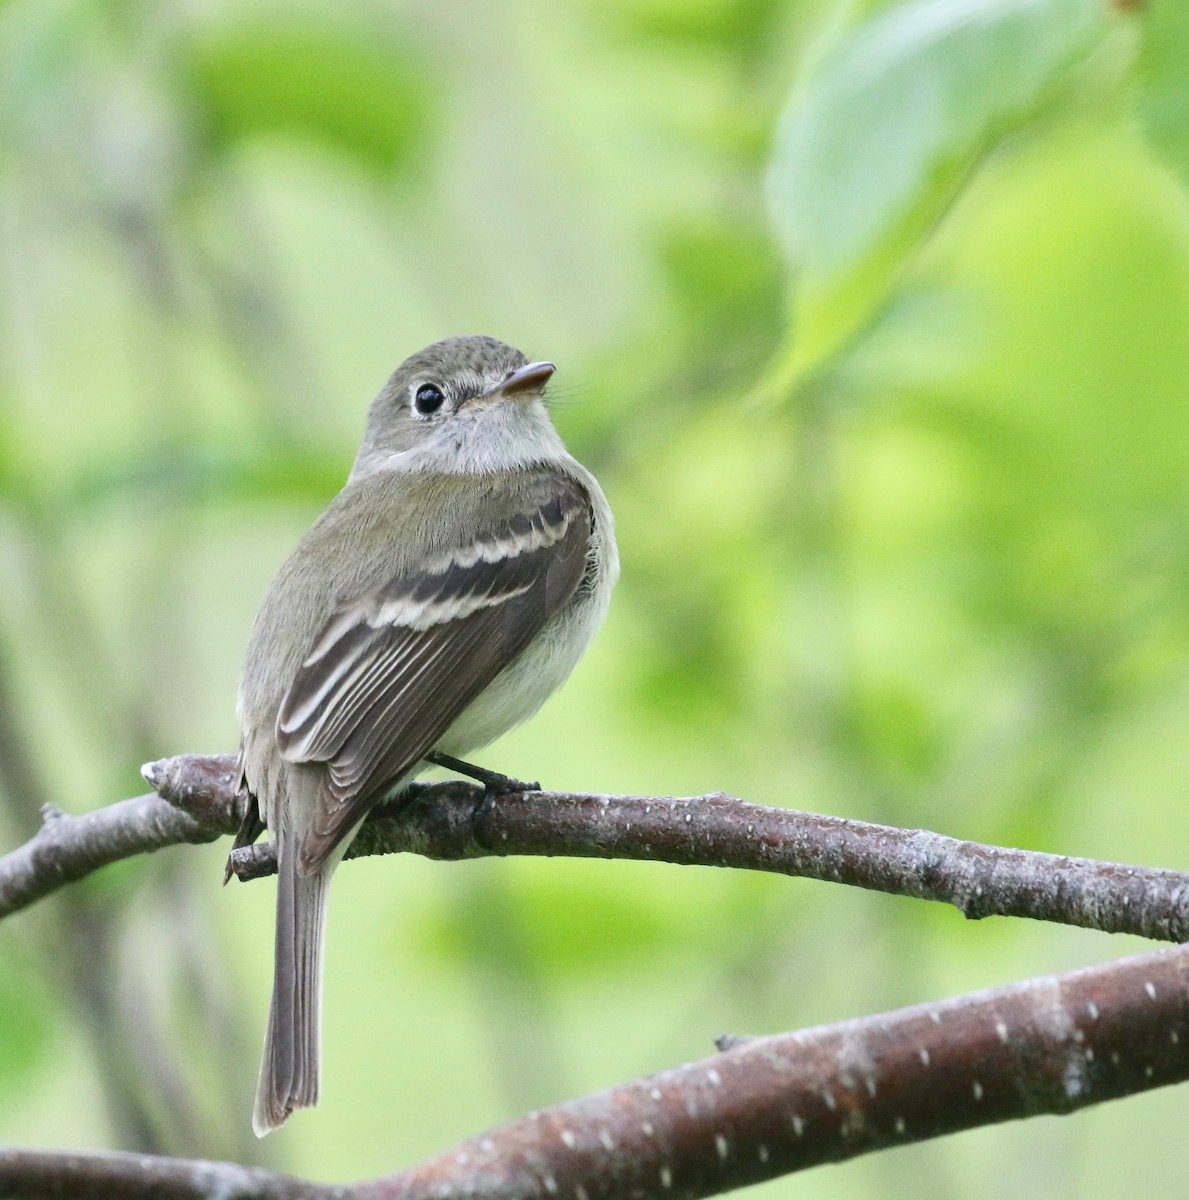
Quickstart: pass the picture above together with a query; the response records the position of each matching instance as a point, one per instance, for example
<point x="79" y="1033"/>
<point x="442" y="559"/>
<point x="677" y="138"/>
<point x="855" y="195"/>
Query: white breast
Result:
<point x="523" y="686"/>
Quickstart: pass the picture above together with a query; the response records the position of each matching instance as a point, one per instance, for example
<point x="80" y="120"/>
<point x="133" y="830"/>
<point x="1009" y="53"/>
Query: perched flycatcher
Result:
<point x="449" y="588"/>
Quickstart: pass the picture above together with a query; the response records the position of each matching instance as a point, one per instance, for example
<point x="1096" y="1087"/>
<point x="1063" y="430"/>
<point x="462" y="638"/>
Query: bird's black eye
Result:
<point x="428" y="399"/>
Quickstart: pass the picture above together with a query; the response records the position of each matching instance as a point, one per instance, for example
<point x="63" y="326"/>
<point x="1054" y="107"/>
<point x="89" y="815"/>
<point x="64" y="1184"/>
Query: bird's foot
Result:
<point x="493" y="782"/>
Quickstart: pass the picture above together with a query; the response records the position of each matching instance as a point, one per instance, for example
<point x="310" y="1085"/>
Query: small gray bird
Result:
<point x="447" y="591"/>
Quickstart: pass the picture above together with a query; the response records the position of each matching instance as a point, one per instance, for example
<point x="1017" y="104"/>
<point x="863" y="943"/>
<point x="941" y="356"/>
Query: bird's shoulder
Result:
<point x="399" y="524"/>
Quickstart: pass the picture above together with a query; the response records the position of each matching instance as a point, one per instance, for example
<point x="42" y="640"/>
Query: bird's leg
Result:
<point x="493" y="782"/>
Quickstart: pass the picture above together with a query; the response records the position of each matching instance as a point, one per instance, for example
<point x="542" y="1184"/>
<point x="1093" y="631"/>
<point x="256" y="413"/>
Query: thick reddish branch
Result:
<point x="784" y="1103"/>
<point x="61" y="1175"/>
<point x="767" y="1107"/>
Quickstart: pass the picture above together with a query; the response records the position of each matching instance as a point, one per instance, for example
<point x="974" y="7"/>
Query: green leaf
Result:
<point x="872" y="145"/>
<point x="323" y="81"/>
<point x="1163" y="74"/>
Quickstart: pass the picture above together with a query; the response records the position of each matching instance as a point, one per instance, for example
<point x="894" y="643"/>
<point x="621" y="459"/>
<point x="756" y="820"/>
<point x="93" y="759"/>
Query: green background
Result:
<point x="873" y="319"/>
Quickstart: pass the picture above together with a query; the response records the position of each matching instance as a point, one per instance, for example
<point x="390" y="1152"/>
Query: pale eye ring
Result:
<point x="428" y="398"/>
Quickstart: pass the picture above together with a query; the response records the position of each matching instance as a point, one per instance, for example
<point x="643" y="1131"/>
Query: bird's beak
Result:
<point x="528" y="381"/>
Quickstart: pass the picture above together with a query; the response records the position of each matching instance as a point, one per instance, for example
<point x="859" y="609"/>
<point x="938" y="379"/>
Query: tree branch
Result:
<point x="766" y="1107"/>
<point x="774" y="1105"/>
<point x="52" y="1175"/>
<point x="197" y="803"/>
<point x="67" y="848"/>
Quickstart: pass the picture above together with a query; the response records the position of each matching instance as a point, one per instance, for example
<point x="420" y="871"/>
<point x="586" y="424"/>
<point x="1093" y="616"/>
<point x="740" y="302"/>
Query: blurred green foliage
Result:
<point x="332" y="83"/>
<point x="872" y="318"/>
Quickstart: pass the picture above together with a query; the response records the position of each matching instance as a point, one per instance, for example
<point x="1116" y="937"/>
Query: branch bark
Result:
<point x="764" y="1108"/>
<point x="67" y="848"/>
<point x="196" y="802"/>
<point x="53" y="1175"/>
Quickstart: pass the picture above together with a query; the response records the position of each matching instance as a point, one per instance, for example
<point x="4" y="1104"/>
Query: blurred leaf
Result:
<point x="323" y="81"/>
<point x="26" y="1014"/>
<point x="205" y="475"/>
<point x="1013" y="485"/>
<point x="708" y="23"/>
<point x="699" y="576"/>
<point x="728" y="288"/>
<point x="590" y="920"/>
<point x="872" y="145"/>
<point x="1164" y="75"/>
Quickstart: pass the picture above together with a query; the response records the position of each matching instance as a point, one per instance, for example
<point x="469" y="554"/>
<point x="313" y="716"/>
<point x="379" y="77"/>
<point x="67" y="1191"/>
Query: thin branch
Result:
<point x="67" y="848"/>
<point x="454" y="821"/>
<point x="764" y="1108"/>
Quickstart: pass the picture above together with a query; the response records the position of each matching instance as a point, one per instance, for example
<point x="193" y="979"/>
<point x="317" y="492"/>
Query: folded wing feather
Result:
<point x="391" y="670"/>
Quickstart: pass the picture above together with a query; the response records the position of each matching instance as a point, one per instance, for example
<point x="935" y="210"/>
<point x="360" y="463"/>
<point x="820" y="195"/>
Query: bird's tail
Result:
<point x="289" y="1072"/>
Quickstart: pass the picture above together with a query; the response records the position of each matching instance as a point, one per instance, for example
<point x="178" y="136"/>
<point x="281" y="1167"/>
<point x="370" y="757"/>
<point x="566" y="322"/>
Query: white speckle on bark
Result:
<point x="580" y="1192"/>
<point x="1174" y="1037"/>
<point x="647" y="1128"/>
<point x="935" y="1017"/>
<point x="666" y="1177"/>
<point x="550" y="1185"/>
<point x="655" y="1093"/>
<point x="607" y="1140"/>
<point x="487" y="1145"/>
<point x="1089" y="1053"/>
<point x="462" y="1160"/>
<point x="763" y="1153"/>
<point x="1115" y="1058"/>
<point x="1055" y="1021"/>
<point x="722" y="1146"/>
<point x="924" y="1057"/>
<point x="900" y="1126"/>
<point x="1148" y="1072"/>
<point x="977" y="1090"/>
<point x="714" y="1077"/>
<point x="870" y="1082"/>
<point x="853" y="1122"/>
<point x="567" y="1136"/>
<point x="1150" y="988"/>
<point x="798" y="1125"/>
<point x="1001" y="1031"/>
<point x="1074" y="1077"/>
<point x="831" y="1103"/>
<point x="1092" y="1009"/>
